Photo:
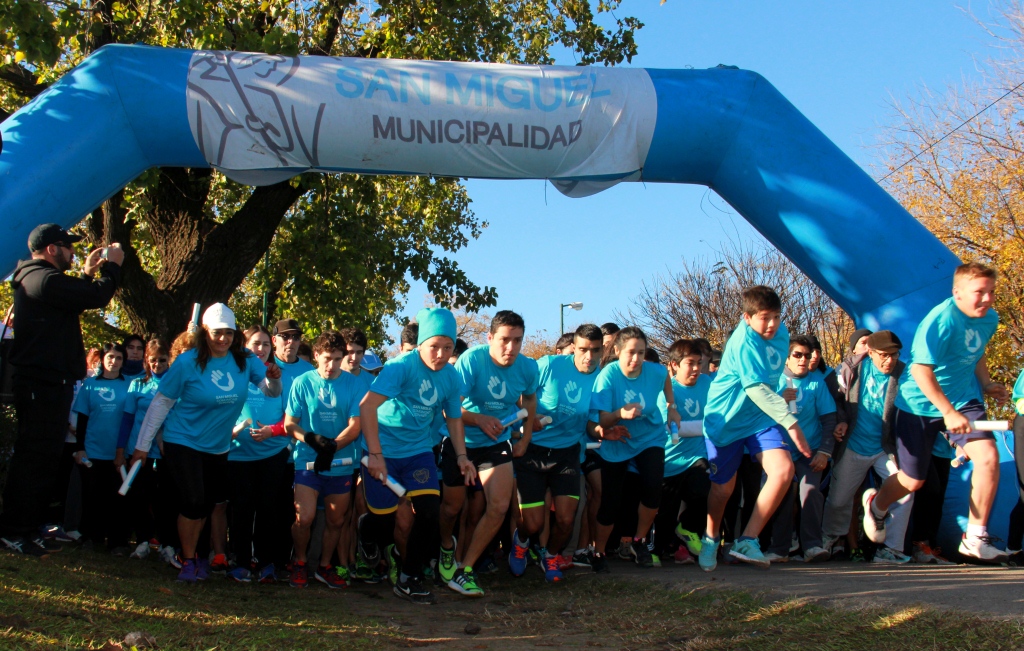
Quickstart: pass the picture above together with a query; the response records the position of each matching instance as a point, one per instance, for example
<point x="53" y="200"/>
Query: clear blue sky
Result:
<point x="839" y="63"/>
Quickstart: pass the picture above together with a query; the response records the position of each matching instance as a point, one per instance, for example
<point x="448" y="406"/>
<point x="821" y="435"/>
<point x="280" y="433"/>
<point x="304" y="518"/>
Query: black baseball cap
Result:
<point x="287" y="325"/>
<point x="44" y="235"/>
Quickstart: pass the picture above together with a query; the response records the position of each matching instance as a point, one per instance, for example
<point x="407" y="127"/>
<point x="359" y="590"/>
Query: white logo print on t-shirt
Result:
<point x="630" y="396"/>
<point x="691" y="407"/>
<point x="105" y="394"/>
<point x="571" y="387"/>
<point x="774" y="359"/>
<point x="492" y="384"/>
<point x="972" y="340"/>
<point x="327" y="398"/>
<point x="217" y="376"/>
<point x="424" y="387"/>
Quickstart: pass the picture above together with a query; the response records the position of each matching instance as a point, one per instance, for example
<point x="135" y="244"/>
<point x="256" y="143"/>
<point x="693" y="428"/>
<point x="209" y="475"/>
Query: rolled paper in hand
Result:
<point x="195" y="313"/>
<point x="593" y="445"/>
<point x="124" y="473"/>
<point x="672" y="427"/>
<point x="86" y="462"/>
<point x="514" y="418"/>
<point x="395" y="487"/>
<point x="960" y="460"/>
<point x="337" y="463"/>
<point x="792" y="403"/>
<point x="130" y="478"/>
<point x="545" y="421"/>
<point x="990" y="425"/>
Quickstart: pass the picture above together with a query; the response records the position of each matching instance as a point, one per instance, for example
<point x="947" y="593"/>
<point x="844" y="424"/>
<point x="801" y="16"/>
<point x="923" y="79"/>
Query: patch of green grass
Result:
<point x="83" y="600"/>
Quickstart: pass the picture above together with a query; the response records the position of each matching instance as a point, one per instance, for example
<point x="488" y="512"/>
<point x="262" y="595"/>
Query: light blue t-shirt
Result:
<point x="417" y="396"/>
<point x="563" y="393"/>
<point x="325" y="407"/>
<point x="952" y="343"/>
<point x="748" y="360"/>
<point x="493" y="390"/>
<point x="289" y="372"/>
<point x="690" y="402"/>
<point x="208" y="400"/>
<point x="613" y="390"/>
<point x="367" y="381"/>
<point x="866" y="437"/>
<point x="259" y="410"/>
<point x="103" y="402"/>
<point x="813" y="400"/>
<point x="140" y="395"/>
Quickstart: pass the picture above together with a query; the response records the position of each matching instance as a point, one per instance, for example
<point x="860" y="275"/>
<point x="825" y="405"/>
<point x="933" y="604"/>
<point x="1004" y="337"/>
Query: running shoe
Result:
<point x="23" y="545"/>
<point x="394" y="564"/>
<point x="486" y="565"/>
<point x="552" y="571"/>
<point x="413" y="590"/>
<point x="923" y="554"/>
<point x="268" y="574"/>
<point x="363" y="572"/>
<point x="816" y="555"/>
<point x="202" y="569"/>
<point x="300" y="575"/>
<point x="857" y="555"/>
<point x="188" y="571"/>
<point x="517" y="560"/>
<point x="874" y="526"/>
<point x="329" y="577"/>
<point x="691" y="539"/>
<point x="240" y="575"/>
<point x="772" y="557"/>
<point x="599" y="563"/>
<point x="641" y="555"/>
<point x="464" y="582"/>
<point x="154" y="545"/>
<point x="219" y="564"/>
<point x="624" y="551"/>
<point x="981" y="549"/>
<point x="344" y="574"/>
<point x="169" y="556"/>
<point x="583" y="558"/>
<point x="683" y="556"/>
<point x="564" y="562"/>
<point x="889" y="556"/>
<point x="446" y="565"/>
<point x="708" y="557"/>
<point x="536" y="554"/>
<point x="56" y="532"/>
<point x="749" y="551"/>
<point x="141" y="551"/>
<point x="829" y="543"/>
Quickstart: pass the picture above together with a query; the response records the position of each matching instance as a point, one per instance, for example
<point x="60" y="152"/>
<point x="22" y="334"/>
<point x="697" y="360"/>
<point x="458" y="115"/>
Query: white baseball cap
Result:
<point x="219" y="317"/>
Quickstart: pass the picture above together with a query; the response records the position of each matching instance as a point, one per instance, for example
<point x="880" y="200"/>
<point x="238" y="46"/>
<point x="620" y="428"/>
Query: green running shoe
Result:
<point x="690" y="539"/>
<point x="464" y="582"/>
<point x="446" y="565"/>
<point x="394" y="564"/>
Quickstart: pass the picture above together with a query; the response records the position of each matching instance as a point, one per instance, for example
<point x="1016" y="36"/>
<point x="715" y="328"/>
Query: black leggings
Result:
<point x="102" y="520"/>
<point x="926" y="513"/>
<point x="650" y="466"/>
<point x="691" y="486"/>
<point x="200" y="478"/>
<point x="260" y="509"/>
<point x="379" y="528"/>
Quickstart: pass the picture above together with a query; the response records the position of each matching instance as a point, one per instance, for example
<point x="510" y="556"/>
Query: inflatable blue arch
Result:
<point x="263" y="118"/>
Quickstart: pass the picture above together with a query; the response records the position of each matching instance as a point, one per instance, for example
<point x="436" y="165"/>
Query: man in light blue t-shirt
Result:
<point x="552" y="458"/>
<point x="287" y="339"/>
<point x="397" y="417"/>
<point x="745" y="413"/>
<point x="943" y="390"/>
<point x="497" y="381"/>
<point x="322" y="415"/>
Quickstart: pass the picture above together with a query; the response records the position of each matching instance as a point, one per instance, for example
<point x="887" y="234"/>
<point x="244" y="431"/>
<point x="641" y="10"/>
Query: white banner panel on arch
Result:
<point x="259" y="117"/>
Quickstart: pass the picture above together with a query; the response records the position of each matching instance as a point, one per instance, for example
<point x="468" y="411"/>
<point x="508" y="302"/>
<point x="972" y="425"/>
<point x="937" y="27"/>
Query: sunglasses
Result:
<point x="289" y="337"/>
<point x="799" y="355"/>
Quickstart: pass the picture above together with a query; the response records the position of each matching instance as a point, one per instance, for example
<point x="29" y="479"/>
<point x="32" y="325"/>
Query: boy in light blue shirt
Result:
<point x="943" y="390"/>
<point x="322" y="414"/>
<point x="745" y="412"/>
<point x="397" y="417"/>
<point x="815" y="409"/>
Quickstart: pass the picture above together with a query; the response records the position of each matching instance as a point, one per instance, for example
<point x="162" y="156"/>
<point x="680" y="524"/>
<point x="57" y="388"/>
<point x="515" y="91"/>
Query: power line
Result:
<point x="928" y="148"/>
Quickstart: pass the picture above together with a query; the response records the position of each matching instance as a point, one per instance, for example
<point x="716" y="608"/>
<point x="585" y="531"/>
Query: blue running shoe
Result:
<point x="552" y="574"/>
<point x="202" y="569"/>
<point x="517" y="560"/>
<point x="188" y="571"/>
<point x="240" y="574"/>
<point x="708" y="559"/>
<point x="749" y="551"/>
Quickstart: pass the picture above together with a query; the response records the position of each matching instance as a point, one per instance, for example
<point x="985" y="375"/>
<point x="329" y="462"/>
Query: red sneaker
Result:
<point x="300" y="575"/>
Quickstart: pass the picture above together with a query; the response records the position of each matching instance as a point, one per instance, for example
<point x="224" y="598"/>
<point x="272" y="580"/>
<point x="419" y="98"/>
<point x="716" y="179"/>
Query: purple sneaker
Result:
<point x="188" y="571"/>
<point x="202" y="569"/>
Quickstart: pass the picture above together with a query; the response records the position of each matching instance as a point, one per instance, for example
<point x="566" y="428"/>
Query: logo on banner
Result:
<point x="424" y="387"/>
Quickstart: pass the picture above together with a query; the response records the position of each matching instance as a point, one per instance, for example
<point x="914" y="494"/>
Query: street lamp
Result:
<point x="561" y="314"/>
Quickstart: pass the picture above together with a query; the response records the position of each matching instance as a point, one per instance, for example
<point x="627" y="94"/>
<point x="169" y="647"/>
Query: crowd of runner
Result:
<point x="449" y="461"/>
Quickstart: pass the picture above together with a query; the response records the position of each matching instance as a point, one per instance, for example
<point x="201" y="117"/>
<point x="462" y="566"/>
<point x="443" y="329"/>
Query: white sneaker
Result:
<point x="827" y="542"/>
<point x="816" y="555"/>
<point x="889" y="556"/>
<point x="980" y="548"/>
<point x="169" y="556"/>
<point x="141" y="551"/>
<point x="772" y="557"/>
<point x="874" y="527"/>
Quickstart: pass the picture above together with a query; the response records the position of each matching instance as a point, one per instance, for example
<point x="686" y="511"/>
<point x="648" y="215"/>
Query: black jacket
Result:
<point x="47" y="305"/>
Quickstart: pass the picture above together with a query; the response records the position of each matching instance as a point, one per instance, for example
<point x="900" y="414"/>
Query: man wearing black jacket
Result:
<point x="48" y="357"/>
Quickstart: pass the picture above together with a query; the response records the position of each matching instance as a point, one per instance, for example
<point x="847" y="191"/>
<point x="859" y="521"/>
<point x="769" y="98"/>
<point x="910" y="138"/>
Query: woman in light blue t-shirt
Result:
<point x="626" y="397"/>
